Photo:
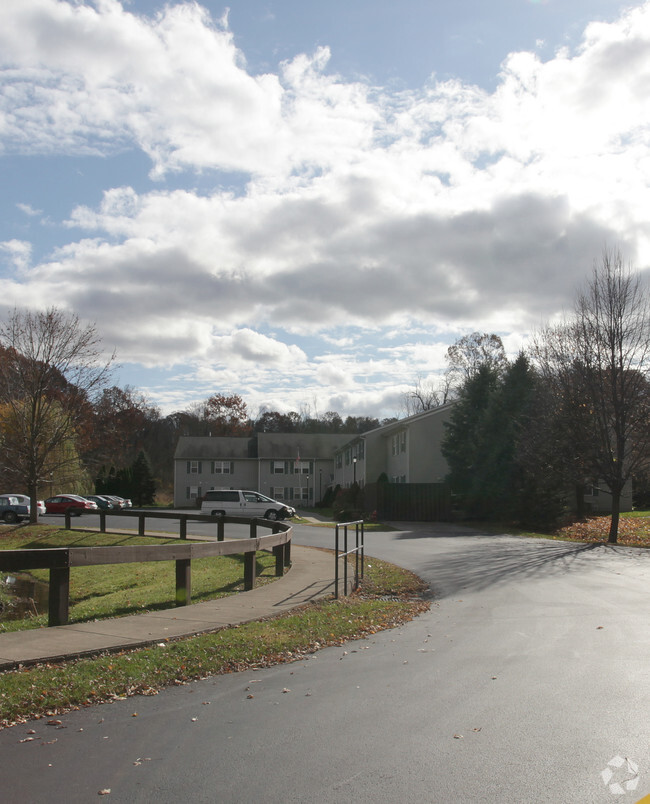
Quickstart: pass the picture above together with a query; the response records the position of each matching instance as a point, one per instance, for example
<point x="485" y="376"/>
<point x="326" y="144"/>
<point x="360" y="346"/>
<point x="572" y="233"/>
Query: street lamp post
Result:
<point x="354" y="470"/>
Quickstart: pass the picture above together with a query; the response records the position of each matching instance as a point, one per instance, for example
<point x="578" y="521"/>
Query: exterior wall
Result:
<point x="426" y="462"/>
<point x="407" y="451"/>
<point x="294" y="467"/>
<point x="191" y="482"/>
<point x="599" y="501"/>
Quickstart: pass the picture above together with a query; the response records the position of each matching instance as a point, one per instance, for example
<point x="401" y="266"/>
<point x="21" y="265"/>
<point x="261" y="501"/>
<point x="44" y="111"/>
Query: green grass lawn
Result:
<point x="48" y="689"/>
<point x="115" y="590"/>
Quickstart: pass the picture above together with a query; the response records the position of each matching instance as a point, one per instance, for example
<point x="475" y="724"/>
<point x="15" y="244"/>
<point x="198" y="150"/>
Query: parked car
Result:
<point x="72" y="502"/>
<point x="12" y="510"/>
<point x="23" y="499"/>
<point x="236" y="502"/>
<point x="102" y="502"/>
<point x="120" y="502"/>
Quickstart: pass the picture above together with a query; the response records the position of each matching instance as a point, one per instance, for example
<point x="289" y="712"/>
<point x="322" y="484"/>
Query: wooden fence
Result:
<point x="59" y="560"/>
<point x="423" y="502"/>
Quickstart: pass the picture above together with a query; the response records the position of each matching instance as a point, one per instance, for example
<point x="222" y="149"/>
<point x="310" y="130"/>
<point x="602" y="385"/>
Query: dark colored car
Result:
<point x="12" y="510"/>
<point x="72" y="502"/>
<point x="102" y="502"/>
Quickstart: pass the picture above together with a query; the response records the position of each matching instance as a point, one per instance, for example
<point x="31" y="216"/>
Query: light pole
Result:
<point x="354" y="470"/>
<point x="320" y="485"/>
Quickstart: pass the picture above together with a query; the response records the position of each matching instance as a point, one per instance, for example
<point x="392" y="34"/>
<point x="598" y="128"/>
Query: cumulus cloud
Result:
<point x="360" y="210"/>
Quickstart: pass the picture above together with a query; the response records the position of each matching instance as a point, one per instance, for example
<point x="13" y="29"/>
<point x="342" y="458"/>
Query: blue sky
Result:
<point x="306" y="203"/>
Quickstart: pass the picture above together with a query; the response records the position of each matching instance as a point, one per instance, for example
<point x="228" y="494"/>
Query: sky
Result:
<point x="306" y="203"/>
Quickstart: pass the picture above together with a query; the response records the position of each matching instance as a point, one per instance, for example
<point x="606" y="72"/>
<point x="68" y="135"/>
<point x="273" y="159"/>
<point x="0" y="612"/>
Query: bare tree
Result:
<point x="601" y="360"/>
<point x="50" y="368"/>
<point x="425" y="395"/>
<point x="469" y="353"/>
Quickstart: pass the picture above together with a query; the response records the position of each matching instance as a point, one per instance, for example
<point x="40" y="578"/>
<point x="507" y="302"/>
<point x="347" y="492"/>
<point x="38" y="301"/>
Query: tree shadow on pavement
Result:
<point x="482" y="565"/>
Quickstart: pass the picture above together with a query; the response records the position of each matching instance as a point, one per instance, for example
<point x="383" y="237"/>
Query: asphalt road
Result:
<point x="526" y="682"/>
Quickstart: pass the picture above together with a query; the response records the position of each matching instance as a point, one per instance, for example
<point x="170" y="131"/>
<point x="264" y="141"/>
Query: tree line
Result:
<point x="527" y="438"/>
<point x="64" y="428"/>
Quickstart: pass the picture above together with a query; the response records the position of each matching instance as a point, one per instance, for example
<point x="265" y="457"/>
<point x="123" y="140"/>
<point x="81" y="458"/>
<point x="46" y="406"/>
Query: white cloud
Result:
<point x="17" y="253"/>
<point x="365" y="211"/>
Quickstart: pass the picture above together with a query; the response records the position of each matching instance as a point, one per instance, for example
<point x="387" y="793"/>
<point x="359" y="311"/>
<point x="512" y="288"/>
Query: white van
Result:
<point x="235" y="502"/>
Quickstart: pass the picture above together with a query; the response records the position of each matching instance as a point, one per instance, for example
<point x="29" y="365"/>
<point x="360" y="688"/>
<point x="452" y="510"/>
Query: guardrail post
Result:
<point x="59" y="595"/>
<point x="183" y="527"/>
<point x="140" y="524"/>
<point x="66" y="515"/>
<point x="253" y="529"/>
<point x="249" y="570"/>
<point x="102" y="521"/>
<point x="278" y="552"/>
<point x="221" y="530"/>
<point x="183" y="581"/>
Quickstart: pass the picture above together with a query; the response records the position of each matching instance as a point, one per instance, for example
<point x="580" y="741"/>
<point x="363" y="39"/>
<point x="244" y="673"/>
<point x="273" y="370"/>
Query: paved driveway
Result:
<point x="528" y="677"/>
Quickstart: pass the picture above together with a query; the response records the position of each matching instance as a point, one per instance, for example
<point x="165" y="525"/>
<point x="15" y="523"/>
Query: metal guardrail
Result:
<point x="59" y="560"/>
<point x="358" y="551"/>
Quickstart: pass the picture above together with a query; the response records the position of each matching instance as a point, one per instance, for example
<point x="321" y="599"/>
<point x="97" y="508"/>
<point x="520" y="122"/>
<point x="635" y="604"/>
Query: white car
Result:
<point x="23" y="499"/>
<point x="239" y="502"/>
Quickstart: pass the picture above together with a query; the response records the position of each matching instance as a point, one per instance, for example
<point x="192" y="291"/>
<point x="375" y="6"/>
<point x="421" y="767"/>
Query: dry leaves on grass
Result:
<point x="632" y="531"/>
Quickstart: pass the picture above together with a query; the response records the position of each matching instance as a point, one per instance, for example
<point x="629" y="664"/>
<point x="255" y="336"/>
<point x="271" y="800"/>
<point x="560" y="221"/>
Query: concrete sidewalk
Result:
<point x="310" y="577"/>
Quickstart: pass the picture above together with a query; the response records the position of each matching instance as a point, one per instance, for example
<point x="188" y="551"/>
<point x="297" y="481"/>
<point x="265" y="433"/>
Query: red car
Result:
<point x="72" y="502"/>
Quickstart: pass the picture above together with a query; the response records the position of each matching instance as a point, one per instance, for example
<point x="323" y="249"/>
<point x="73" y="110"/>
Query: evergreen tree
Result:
<point x="462" y="442"/>
<point x="143" y="487"/>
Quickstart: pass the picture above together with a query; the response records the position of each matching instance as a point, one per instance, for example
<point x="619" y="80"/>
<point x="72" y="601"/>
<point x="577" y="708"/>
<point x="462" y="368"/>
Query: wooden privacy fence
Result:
<point x="59" y="560"/>
<point x="424" y="502"/>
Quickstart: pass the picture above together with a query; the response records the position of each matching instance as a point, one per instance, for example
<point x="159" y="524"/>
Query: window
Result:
<point x="339" y="460"/>
<point x="302" y="467"/>
<point x="194" y="467"/>
<point x="361" y="448"/>
<point x="277" y="492"/>
<point x="393" y="445"/>
<point x="222" y="467"/>
<point x="301" y="493"/>
<point x="277" y="467"/>
<point x="192" y="492"/>
<point x="347" y="457"/>
<point x="402" y="441"/>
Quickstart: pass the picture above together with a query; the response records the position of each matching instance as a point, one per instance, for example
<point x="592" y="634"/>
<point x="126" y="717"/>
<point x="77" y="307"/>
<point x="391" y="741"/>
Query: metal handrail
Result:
<point x="358" y="551"/>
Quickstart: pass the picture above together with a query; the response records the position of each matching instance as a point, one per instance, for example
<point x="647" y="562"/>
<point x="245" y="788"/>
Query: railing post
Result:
<point x="59" y="596"/>
<point x="140" y="524"/>
<point x="278" y="552"/>
<point x="344" y="554"/>
<point x="183" y="527"/>
<point x="356" y="555"/>
<point x="336" y="562"/>
<point x="249" y="570"/>
<point x="253" y="529"/>
<point x="183" y="581"/>
<point x="221" y="530"/>
<point x="67" y="517"/>
<point x="287" y="554"/>
<point x="102" y="521"/>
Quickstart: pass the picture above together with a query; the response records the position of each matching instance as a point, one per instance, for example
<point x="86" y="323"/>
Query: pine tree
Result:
<point x="143" y="486"/>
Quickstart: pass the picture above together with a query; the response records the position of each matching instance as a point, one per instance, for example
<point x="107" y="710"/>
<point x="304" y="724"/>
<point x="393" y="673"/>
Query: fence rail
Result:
<point x="59" y="560"/>
<point x="357" y="550"/>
